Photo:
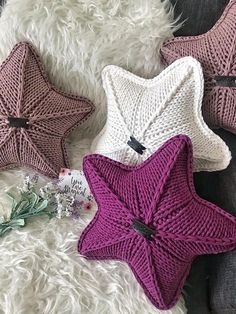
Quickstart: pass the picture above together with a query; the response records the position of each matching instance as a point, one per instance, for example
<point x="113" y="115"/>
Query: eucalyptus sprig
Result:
<point x="48" y="202"/>
<point x="29" y="205"/>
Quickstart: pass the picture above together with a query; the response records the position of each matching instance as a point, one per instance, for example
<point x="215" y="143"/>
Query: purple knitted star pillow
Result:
<point x="151" y="217"/>
<point x="216" y="50"/>
<point x="35" y="117"/>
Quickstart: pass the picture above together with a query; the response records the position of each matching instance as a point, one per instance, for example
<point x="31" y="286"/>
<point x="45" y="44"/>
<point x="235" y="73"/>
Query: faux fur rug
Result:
<point x="40" y="269"/>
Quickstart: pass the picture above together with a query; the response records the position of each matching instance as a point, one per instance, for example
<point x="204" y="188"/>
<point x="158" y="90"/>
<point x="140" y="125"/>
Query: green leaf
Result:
<point x="14" y="202"/>
<point x="11" y="195"/>
<point x="29" y="202"/>
<point x="4" y="230"/>
<point x="26" y="204"/>
<point x="34" y="201"/>
<point x="41" y="206"/>
<point x="16" y="210"/>
<point x="13" y="224"/>
<point x="17" y="223"/>
<point x="29" y="205"/>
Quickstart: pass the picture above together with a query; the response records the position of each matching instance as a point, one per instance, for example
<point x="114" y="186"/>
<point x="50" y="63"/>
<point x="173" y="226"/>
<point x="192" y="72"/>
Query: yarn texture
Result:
<point x="35" y="117"/>
<point x="151" y="217"/>
<point x="75" y="41"/>
<point x="144" y="113"/>
<point x="216" y="50"/>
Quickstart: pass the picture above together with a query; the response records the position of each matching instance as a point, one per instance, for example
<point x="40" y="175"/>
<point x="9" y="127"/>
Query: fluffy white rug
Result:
<point x="40" y="269"/>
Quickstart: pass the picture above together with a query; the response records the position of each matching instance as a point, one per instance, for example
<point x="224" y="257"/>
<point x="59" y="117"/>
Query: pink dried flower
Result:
<point x="87" y="206"/>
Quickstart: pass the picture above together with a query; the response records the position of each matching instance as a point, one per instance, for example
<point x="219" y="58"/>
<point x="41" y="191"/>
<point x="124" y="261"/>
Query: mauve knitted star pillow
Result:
<point x="216" y="50"/>
<point x="144" y="113"/>
<point x="35" y="117"/>
<point x="151" y="217"/>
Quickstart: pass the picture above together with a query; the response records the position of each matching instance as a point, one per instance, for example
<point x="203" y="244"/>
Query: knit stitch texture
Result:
<point x="35" y="117"/>
<point x="216" y="50"/>
<point x="144" y="113"/>
<point x="151" y="217"/>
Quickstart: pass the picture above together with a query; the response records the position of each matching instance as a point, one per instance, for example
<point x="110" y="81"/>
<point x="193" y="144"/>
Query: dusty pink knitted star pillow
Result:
<point x="151" y="217"/>
<point x="216" y="50"/>
<point x="35" y="117"/>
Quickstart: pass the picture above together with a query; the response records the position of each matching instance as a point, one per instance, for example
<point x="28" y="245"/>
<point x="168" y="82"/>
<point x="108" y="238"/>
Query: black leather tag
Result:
<point x="143" y="229"/>
<point x="18" y="122"/>
<point x="226" y="81"/>
<point x="135" y="145"/>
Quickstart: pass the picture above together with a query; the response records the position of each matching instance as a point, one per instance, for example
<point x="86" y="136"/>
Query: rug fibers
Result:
<point x="40" y="269"/>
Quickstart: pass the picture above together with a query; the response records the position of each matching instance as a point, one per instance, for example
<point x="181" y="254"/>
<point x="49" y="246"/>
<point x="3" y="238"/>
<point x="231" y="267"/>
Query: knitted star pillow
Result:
<point x="216" y="50"/>
<point x="151" y="217"/>
<point x="143" y="114"/>
<point x="35" y="117"/>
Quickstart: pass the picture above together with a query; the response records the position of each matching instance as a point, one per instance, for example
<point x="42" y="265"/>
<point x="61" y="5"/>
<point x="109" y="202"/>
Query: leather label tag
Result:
<point x="143" y="229"/>
<point x="135" y="145"/>
<point x="18" y="122"/>
<point x="226" y="81"/>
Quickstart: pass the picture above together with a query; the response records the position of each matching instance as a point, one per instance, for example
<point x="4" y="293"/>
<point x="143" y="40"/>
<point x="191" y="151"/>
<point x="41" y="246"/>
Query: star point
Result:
<point x="35" y="117"/>
<point x="216" y="51"/>
<point x="150" y="216"/>
<point x="144" y="113"/>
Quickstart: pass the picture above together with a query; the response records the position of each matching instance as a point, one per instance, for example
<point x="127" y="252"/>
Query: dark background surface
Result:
<point x="198" y="15"/>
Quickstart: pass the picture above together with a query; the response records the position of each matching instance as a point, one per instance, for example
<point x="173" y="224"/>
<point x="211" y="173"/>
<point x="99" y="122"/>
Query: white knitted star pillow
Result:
<point x="144" y="113"/>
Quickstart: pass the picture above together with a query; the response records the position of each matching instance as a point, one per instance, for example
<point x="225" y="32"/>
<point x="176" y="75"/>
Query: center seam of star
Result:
<point x="136" y="145"/>
<point x="143" y="229"/>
